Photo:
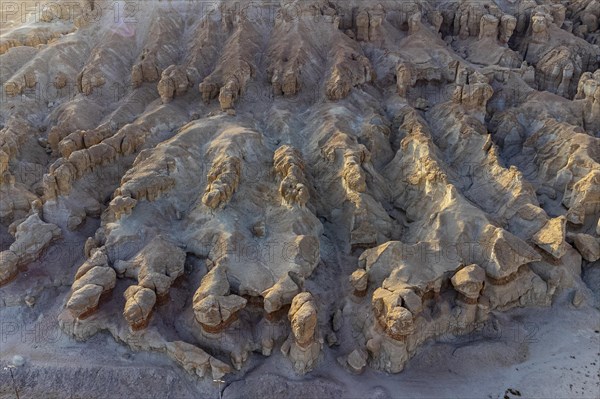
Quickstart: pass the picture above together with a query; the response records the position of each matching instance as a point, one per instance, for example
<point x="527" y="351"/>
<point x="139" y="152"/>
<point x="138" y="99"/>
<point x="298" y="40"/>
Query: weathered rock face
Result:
<point x="588" y="246"/>
<point x="439" y="160"/>
<point x="551" y="237"/>
<point x="290" y="168"/>
<point x="138" y="306"/>
<point x="156" y="266"/>
<point x="303" y="346"/>
<point x="223" y="180"/>
<point x="196" y="361"/>
<point x="214" y="307"/>
<point x="32" y="236"/>
<point x="94" y="278"/>
<point x="174" y="82"/>
<point x="588" y="90"/>
<point x="469" y="282"/>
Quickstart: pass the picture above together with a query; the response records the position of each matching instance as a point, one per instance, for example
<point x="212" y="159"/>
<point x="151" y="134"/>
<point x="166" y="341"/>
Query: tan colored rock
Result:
<point x="362" y="26"/>
<point x="193" y="359"/>
<point x="97" y="257"/>
<point x="588" y="246"/>
<point x="215" y="312"/>
<point x="551" y="237"/>
<point x="353" y="175"/>
<point x="303" y="346"/>
<point x="508" y="24"/>
<point x="406" y="77"/>
<point x="351" y="70"/>
<point x="87" y="81"/>
<point x="506" y="254"/>
<point x="85" y="300"/>
<point x="219" y="369"/>
<point x="359" y="280"/>
<point x="229" y="93"/>
<point x="304" y="252"/>
<point x="454" y="154"/>
<point x="303" y="316"/>
<point x="8" y="266"/>
<point x="488" y="27"/>
<point x="118" y="207"/>
<point x="196" y="361"/>
<point x="290" y="168"/>
<point x="223" y="180"/>
<point x="391" y="315"/>
<point x="588" y="89"/>
<point x="411" y="301"/>
<point x="475" y="95"/>
<point x="214" y="307"/>
<point x="104" y="277"/>
<point x="357" y="361"/>
<point x="280" y="294"/>
<point x="174" y="82"/>
<point x="208" y="90"/>
<point x="399" y="322"/>
<point x="469" y="281"/>
<point x="157" y="266"/>
<point x="138" y="306"/>
<point x="32" y="237"/>
<point x="583" y="198"/>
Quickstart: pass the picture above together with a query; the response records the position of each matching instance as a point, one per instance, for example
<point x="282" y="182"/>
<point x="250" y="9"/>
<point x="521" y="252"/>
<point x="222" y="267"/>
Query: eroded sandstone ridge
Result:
<point x="353" y="177"/>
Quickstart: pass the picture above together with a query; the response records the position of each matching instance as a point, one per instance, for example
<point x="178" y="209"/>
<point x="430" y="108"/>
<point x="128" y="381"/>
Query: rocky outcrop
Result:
<point x="195" y="361"/>
<point x="155" y="267"/>
<point x="417" y="166"/>
<point x="560" y="58"/>
<point x="235" y="67"/>
<point x="223" y="180"/>
<point x="303" y="346"/>
<point x="215" y="308"/>
<point x="93" y="279"/>
<point x="356" y="361"/>
<point x="469" y="282"/>
<point x="139" y="302"/>
<point x="350" y="69"/>
<point x="359" y="280"/>
<point x="118" y="207"/>
<point x="588" y="246"/>
<point x="32" y="37"/>
<point x="15" y="199"/>
<point x="290" y="169"/>
<point x="174" y="82"/>
<point x="367" y="23"/>
<point x="32" y="237"/>
<point x="588" y="90"/>
<point x="111" y="59"/>
<point x="551" y="237"/>
<point x="473" y="93"/>
<point x="160" y="52"/>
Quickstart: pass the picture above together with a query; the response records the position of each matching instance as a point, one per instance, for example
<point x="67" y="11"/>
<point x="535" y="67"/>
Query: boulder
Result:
<point x="469" y="281"/>
<point x="551" y="237"/>
<point x="303" y="345"/>
<point x="138" y="306"/>
<point x="84" y="301"/>
<point x="588" y="246"/>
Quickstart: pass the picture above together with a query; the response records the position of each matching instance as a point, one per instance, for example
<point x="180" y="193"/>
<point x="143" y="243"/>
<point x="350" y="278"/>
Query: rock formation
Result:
<point x="303" y="345"/>
<point x="381" y="174"/>
<point x="31" y="237"/>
